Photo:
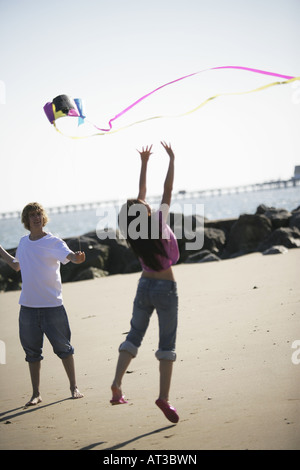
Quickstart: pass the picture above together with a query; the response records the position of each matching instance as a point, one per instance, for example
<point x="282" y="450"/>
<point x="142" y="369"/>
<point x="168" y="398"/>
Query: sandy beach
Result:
<point x="236" y="382"/>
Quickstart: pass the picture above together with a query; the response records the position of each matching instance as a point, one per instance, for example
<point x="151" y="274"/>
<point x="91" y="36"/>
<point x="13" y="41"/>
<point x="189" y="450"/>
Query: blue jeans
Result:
<point x="51" y="321"/>
<point x="160" y="295"/>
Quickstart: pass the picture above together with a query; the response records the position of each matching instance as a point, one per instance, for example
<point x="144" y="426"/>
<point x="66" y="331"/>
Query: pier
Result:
<point x="279" y="184"/>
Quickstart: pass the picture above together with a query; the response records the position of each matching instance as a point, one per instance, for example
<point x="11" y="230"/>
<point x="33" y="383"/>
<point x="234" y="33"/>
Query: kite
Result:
<point x="63" y="105"/>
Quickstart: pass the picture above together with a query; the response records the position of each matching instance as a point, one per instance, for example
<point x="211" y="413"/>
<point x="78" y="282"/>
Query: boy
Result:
<point x="38" y="256"/>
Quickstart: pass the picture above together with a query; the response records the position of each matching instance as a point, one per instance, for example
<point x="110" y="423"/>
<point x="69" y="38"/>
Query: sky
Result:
<point x="110" y="54"/>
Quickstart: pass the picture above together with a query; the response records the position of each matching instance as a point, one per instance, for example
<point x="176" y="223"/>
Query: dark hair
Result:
<point x="145" y="245"/>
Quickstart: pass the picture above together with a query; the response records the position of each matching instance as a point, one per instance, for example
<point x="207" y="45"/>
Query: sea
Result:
<point x="213" y="207"/>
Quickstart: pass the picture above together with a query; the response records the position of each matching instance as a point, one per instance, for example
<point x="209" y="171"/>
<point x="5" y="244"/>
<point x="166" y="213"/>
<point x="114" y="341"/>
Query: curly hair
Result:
<point x="33" y="207"/>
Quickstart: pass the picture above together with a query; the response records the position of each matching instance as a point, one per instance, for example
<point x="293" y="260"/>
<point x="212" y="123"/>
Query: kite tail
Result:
<point x="109" y="130"/>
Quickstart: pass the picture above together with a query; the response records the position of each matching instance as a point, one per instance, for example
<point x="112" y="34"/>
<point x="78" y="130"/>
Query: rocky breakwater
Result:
<point x="269" y="230"/>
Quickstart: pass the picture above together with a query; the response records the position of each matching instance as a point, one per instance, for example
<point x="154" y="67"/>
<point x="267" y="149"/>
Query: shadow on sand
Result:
<point x="123" y="444"/>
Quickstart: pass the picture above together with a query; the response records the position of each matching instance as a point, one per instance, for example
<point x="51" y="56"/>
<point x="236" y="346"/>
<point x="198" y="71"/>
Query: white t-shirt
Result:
<point x="40" y="270"/>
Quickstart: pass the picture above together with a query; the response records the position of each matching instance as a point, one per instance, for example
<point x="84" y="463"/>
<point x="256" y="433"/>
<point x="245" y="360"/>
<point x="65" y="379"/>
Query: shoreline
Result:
<point x="200" y="240"/>
<point x="235" y="385"/>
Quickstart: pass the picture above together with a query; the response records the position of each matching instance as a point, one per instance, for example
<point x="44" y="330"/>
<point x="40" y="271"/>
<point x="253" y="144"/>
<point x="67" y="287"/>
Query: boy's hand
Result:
<point x="78" y="257"/>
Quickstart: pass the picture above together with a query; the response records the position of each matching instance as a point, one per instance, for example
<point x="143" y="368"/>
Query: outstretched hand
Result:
<point x="145" y="153"/>
<point x="168" y="149"/>
<point x="79" y="257"/>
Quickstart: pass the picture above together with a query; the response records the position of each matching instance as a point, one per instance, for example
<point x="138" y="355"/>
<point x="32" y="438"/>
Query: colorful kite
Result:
<point x="64" y="105"/>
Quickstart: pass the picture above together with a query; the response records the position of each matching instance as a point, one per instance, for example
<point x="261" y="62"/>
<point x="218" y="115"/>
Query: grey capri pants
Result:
<point x="153" y="294"/>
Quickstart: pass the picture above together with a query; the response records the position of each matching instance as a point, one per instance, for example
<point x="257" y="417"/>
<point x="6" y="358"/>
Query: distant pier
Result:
<point x="279" y="184"/>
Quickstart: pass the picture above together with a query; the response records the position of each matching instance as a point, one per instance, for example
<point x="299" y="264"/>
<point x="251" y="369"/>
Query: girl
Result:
<point x="157" y="249"/>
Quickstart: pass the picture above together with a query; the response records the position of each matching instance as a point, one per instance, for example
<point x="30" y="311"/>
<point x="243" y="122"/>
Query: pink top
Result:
<point x="170" y="244"/>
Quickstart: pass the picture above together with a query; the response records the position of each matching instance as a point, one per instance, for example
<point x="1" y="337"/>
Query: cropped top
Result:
<point x="170" y="244"/>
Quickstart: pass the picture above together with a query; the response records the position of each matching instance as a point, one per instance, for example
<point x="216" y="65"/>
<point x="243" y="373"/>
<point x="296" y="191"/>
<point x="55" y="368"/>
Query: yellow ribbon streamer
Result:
<point x="264" y="87"/>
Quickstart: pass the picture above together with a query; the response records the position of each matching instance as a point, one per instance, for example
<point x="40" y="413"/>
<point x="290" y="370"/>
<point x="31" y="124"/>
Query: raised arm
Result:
<point x="145" y="154"/>
<point x="168" y="185"/>
<point x="10" y="260"/>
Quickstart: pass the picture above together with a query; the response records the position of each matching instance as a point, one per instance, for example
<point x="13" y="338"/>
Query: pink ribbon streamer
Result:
<point x="187" y="76"/>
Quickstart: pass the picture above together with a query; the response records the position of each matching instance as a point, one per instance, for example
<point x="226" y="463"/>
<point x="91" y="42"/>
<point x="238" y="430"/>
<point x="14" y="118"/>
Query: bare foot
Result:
<point x="117" y="397"/>
<point x="34" y="400"/>
<point x="76" y="393"/>
<point x="116" y="392"/>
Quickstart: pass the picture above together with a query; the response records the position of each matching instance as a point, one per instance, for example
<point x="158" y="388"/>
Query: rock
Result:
<point x="90" y="273"/>
<point x="210" y="257"/>
<point x="222" y="224"/>
<point x="10" y="283"/>
<point x="203" y="256"/>
<point x="191" y="231"/>
<point x="261" y="209"/>
<point x="198" y="256"/>
<point x="246" y="234"/>
<point x="214" y="240"/>
<point x="274" y="250"/>
<point x="121" y="259"/>
<point x="9" y="279"/>
<point x="286" y="236"/>
<point x="295" y="219"/>
<point x="105" y="252"/>
<point x="278" y="217"/>
<point x="96" y="254"/>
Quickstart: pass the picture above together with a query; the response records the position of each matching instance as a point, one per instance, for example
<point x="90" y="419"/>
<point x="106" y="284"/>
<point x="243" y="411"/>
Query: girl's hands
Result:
<point x="145" y="153"/>
<point x="168" y="185"/>
<point x="168" y="149"/>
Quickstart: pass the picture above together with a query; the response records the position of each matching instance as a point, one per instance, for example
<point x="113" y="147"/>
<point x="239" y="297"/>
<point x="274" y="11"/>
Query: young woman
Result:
<point x="156" y="246"/>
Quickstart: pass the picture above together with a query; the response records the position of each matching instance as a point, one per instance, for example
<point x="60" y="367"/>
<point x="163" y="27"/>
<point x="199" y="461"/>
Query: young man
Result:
<point x="38" y="256"/>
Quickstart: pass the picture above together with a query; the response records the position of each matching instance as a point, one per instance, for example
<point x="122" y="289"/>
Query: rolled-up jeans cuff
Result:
<point x="166" y="355"/>
<point x="129" y="347"/>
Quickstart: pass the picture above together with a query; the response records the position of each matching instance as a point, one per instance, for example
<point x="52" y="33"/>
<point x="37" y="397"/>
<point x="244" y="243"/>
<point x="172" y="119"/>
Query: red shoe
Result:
<point x="168" y="410"/>
<point x="118" y="401"/>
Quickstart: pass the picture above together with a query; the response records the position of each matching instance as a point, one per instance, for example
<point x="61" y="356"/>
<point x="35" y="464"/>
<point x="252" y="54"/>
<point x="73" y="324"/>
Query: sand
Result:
<point x="235" y="383"/>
